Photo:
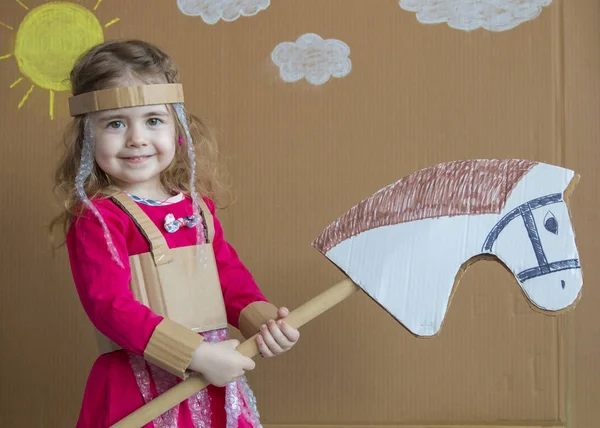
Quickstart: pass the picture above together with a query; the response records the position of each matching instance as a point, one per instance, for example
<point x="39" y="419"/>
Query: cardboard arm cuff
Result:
<point x="171" y="348"/>
<point x="254" y="315"/>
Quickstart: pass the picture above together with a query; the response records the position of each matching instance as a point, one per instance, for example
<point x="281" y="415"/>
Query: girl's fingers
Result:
<point x="279" y="337"/>
<point x="283" y="312"/>
<point x="262" y="347"/>
<point x="290" y="333"/>
<point x="269" y="340"/>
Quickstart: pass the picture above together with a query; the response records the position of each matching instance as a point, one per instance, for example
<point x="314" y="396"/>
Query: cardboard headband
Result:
<point x="108" y="99"/>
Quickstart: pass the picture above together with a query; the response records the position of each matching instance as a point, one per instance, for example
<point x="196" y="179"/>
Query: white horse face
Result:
<point x="537" y="243"/>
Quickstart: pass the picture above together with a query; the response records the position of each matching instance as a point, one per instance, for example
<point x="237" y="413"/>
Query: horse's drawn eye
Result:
<point x="550" y="223"/>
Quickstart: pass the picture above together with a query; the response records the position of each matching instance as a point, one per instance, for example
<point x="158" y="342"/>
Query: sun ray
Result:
<point x="22" y="4"/>
<point x="26" y="96"/>
<point x="16" y="82"/>
<point x="45" y="52"/>
<point x="51" y="105"/>
<point x="114" y="21"/>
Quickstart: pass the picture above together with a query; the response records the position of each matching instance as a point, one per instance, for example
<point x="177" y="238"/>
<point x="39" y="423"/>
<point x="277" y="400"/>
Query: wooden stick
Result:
<point x="183" y="390"/>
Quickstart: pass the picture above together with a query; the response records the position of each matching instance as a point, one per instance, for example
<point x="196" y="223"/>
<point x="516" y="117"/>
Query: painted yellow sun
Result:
<point x="48" y="42"/>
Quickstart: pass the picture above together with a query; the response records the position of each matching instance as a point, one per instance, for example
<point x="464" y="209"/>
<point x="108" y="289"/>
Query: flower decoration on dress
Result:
<point x="172" y="224"/>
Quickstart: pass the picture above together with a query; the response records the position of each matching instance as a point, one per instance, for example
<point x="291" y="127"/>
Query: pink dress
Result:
<point x="122" y="381"/>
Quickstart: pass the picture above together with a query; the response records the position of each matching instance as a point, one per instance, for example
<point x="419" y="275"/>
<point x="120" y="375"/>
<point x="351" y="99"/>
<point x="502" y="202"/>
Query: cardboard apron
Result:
<point x="181" y="284"/>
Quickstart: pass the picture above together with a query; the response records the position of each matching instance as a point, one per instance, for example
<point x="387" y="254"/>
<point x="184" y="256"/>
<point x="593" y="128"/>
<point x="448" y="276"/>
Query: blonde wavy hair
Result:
<point x="104" y="67"/>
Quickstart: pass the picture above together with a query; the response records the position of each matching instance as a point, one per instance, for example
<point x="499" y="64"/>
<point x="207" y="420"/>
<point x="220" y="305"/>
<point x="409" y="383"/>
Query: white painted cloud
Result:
<point x="312" y="58"/>
<point x="212" y="11"/>
<point x="468" y="15"/>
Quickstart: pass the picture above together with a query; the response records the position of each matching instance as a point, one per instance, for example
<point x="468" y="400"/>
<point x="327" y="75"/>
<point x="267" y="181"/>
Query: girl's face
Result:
<point x="134" y="145"/>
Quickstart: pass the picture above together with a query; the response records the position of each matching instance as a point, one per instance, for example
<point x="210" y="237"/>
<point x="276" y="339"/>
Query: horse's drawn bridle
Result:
<point x="525" y="212"/>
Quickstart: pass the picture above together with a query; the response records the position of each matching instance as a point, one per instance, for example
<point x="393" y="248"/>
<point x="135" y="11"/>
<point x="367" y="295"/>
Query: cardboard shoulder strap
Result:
<point x="158" y="243"/>
<point x="208" y="217"/>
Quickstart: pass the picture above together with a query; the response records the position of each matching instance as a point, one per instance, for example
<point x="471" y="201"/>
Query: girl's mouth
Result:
<point x="136" y="159"/>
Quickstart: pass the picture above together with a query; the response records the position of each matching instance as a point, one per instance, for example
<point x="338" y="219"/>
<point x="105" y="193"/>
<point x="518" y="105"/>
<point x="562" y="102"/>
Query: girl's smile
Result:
<point x="136" y="160"/>
<point x="133" y="146"/>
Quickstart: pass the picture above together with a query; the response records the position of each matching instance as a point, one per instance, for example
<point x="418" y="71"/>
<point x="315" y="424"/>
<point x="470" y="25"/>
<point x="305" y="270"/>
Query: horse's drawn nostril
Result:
<point x="562" y="284"/>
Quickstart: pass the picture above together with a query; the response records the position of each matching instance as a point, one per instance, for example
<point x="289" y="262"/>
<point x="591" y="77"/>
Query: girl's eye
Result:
<point x="116" y="124"/>
<point x="550" y="223"/>
<point x="154" y="121"/>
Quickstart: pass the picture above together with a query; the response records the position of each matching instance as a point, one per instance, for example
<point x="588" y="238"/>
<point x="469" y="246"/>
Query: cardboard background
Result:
<point x="301" y="155"/>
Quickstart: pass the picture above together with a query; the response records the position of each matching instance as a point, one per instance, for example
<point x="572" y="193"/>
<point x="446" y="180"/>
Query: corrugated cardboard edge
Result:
<point x="566" y="341"/>
<point x="565" y="330"/>
<point x="566" y="369"/>
<point x="108" y="99"/>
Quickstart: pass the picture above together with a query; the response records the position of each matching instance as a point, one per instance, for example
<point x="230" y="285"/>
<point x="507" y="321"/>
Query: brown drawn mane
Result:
<point x="468" y="187"/>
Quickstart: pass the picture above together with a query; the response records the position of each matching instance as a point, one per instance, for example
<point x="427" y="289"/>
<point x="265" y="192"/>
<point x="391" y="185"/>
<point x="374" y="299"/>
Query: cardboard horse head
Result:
<point x="407" y="244"/>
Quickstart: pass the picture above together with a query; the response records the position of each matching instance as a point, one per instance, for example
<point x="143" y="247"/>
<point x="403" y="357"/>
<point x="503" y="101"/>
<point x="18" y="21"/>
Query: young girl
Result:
<point x="150" y="264"/>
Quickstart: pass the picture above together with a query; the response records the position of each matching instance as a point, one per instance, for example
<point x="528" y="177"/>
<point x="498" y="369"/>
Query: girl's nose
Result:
<point x="136" y="139"/>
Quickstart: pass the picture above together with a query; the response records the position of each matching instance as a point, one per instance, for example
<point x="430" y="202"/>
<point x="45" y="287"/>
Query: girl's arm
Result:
<point x="247" y="308"/>
<point x="103" y="289"/>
